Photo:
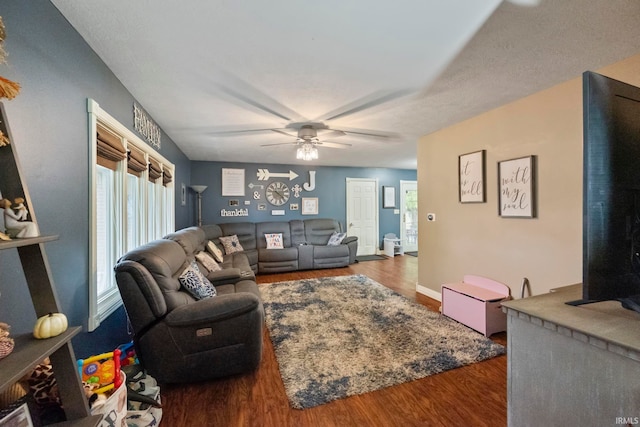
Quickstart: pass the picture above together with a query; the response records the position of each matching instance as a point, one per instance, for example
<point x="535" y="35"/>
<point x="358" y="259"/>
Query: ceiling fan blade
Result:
<point x="285" y="132"/>
<point x="233" y="132"/>
<point x="240" y="90"/>
<point x="253" y="102"/>
<point x="333" y="144"/>
<point x="369" y="101"/>
<point x="370" y="133"/>
<point x="330" y="133"/>
<point x="279" y="143"/>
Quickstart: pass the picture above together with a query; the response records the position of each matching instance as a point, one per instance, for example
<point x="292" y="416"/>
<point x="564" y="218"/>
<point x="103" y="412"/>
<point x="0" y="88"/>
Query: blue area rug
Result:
<point x="341" y="336"/>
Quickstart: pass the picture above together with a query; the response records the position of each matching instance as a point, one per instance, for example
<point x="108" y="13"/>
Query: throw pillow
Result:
<point x="215" y="251"/>
<point x="231" y="244"/>
<point x="207" y="261"/>
<point x="336" y="238"/>
<point x="274" y="241"/>
<point x="195" y="283"/>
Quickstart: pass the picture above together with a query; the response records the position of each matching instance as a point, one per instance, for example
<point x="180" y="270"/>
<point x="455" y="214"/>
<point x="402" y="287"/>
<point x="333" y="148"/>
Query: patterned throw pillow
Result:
<point x="274" y="241"/>
<point x="231" y="244"/>
<point x="194" y="281"/>
<point x="336" y="238"/>
<point x="215" y="251"/>
<point x="208" y="262"/>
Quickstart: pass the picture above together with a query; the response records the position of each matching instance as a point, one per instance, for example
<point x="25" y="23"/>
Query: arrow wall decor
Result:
<point x="264" y="174"/>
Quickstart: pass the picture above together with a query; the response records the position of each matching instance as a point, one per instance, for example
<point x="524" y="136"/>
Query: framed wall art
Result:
<point x="232" y="182"/>
<point x="309" y="206"/>
<point x="517" y="188"/>
<point x="388" y="197"/>
<point x="471" y="177"/>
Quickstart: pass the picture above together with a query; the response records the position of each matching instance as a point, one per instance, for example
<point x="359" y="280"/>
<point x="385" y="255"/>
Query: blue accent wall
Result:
<point x="330" y="189"/>
<point x="58" y="71"/>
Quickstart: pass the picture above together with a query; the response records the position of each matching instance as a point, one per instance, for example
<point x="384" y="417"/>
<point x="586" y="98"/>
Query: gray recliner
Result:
<point x="177" y="338"/>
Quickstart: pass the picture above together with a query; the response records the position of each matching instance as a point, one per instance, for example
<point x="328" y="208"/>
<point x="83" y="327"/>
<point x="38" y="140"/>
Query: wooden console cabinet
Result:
<point x="569" y="365"/>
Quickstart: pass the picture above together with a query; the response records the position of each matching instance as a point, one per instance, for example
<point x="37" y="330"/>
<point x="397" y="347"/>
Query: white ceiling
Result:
<point x="405" y="68"/>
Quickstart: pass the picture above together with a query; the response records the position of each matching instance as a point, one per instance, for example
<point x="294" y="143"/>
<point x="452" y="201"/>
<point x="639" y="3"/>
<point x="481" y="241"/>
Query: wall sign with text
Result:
<point x="471" y="169"/>
<point x="516" y="188"/>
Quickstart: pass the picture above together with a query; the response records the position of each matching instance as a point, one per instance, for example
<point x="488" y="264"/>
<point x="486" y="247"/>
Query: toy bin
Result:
<point x="143" y="414"/>
<point x="114" y="409"/>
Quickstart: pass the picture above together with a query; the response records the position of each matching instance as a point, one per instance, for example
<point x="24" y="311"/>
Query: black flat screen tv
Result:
<point x="611" y="191"/>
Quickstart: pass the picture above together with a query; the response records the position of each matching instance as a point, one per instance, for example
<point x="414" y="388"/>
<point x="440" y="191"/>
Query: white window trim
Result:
<point x="100" y="309"/>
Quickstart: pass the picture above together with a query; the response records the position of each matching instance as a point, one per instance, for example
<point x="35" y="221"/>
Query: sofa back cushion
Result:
<point x="191" y="239"/>
<point x="211" y="231"/>
<point x="165" y="260"/>
<point x="318" y="230"/>
<point x="273" y="227"/>
<point x="297" y="232"/>
<point x="246" y="232"/>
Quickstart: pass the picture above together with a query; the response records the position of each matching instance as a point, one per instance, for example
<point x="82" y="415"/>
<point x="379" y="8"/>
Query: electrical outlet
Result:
<point x="431" y="217"/>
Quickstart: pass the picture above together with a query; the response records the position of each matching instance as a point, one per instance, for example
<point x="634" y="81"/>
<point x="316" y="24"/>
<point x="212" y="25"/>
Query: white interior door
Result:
<point x="409" y="215"/>
<point x="362" y="213"/>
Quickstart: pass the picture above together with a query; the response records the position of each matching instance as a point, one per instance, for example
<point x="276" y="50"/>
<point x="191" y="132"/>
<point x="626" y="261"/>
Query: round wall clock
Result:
<point x="277" y="193"/>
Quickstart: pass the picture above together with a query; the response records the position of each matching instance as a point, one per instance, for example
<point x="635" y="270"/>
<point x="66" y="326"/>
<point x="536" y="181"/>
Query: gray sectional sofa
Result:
<point x="180" y="338"/>
<point x="177" y="337"/>
<point x="305" y="244"/>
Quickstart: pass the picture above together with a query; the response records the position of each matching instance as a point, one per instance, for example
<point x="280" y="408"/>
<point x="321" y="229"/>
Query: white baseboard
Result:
<point x="428" y="292"/>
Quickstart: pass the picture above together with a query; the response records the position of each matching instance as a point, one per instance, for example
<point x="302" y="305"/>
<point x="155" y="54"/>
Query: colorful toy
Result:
<point x="128" y="354"/>
<point x="103" y="370"/>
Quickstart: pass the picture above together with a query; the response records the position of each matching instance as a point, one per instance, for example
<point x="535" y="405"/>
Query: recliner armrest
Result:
<point x="214" y="309"/>
<point x="349" y="239"/>
<point x="226" y="275"/>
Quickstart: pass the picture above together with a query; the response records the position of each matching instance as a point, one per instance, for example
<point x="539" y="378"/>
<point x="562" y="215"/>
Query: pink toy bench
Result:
<point x="476" y="302"/>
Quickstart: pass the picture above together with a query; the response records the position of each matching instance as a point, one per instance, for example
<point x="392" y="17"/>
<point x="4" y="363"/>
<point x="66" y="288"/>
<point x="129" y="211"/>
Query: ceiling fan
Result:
<point x="309" y="134"/>
<point x="307" y="140"/>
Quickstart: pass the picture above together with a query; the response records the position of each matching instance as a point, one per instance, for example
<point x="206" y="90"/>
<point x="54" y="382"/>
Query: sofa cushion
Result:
<point x="330" y="256"/>
<point x="246" y="232"/>
<point x="191" y="239"/>
<point x="231" y="244"/>
<point x="273" y="227"/>
<point x="274" y="241"/>
<point x="336" y="238"/>
<point x="195" y="283"/>
<point x="318" y="230"/>
<point x="284" y="254"/>
<point x="215" y="251"/>
<point x="207" y="261"/>
<point x="164" y="260"/>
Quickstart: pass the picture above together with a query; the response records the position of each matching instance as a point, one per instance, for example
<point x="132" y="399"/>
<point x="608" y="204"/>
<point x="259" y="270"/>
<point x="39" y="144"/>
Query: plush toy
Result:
<point x="6" y="343"/>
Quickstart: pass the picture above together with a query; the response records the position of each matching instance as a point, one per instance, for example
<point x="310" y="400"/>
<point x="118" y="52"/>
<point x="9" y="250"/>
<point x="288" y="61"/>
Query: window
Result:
<point x="132" y="202"/>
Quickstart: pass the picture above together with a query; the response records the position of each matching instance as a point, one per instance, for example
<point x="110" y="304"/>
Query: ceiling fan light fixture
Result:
<point x="307" y="152"/>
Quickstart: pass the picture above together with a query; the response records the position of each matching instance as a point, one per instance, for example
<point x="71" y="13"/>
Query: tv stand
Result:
<point x="588" y="353"/>
<point x="579" y="302"/>
<point x="630" y="303"/>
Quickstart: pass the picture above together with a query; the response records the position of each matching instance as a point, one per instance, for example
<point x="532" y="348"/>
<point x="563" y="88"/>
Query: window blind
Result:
<point x="136" y="163"/>
<point x="110" y="149"/>
<point x="155" y="169"/>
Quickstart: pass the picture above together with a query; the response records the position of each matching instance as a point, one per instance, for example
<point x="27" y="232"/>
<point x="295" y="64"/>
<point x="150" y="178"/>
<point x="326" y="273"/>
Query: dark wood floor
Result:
<point x="469" y="396"/>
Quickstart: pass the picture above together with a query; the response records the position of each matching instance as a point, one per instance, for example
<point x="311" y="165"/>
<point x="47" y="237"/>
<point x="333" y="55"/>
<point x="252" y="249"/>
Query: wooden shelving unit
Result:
<point x="28" y="351"/>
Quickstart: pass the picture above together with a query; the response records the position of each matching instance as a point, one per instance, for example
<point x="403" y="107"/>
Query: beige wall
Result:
<point x="472" y="238"/>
